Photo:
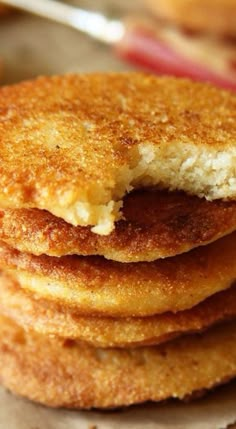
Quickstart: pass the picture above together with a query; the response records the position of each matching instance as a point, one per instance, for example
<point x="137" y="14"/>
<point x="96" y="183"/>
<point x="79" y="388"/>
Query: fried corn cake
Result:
<point x="74" y="145"/>
<point x="156" y="224"/>
<point x="96" y="286"/>
<point x="49" y="318"/>
<point x="64" y="373"/>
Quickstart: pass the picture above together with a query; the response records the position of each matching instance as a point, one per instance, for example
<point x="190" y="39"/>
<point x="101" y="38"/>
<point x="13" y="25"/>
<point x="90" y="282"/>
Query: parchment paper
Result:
<point x="31" y="46"/>
<point x="215" y="411"/>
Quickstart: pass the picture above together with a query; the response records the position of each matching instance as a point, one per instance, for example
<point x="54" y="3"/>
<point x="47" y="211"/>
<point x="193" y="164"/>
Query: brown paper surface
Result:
<point x="217" y="410"/>
<point x="29" y="47"/>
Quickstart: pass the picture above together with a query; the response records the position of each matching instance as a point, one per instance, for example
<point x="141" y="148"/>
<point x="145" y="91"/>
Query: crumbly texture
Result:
<point x="210" y="16"/>
<point x="156" y="224"/>
<point x="63" y="373"/>
<point x="95" y="286"/>
<point x="48" y="318"/>
<point x="75" y="145"/>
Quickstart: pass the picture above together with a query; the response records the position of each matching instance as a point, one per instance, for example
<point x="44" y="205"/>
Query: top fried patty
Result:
<point x="75" y="145"/>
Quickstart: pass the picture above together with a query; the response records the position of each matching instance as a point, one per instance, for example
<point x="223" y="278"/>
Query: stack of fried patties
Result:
<point x="117" y="255"/>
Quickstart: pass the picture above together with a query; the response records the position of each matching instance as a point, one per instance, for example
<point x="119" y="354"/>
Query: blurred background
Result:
<point x="30" y="46"/>
<point x="196" y="39"/>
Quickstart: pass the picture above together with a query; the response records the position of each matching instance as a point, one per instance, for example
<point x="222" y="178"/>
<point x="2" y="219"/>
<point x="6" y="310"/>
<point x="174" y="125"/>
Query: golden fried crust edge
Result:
<point x="48" y="318"/>
<point x="80" y="142"/>
<point x="61" y="373"/>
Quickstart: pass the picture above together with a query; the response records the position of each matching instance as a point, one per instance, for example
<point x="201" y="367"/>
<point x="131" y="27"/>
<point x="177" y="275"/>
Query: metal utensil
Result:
<point x="94" y="24"/>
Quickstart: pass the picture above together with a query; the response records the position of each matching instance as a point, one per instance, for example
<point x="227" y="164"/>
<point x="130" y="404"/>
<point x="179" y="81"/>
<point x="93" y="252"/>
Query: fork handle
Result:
<point x="94" y="24"/>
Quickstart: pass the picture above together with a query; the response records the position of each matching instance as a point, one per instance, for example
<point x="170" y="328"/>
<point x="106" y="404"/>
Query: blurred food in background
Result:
<point x="208" y="16"/>
<point x="197" y="39"/>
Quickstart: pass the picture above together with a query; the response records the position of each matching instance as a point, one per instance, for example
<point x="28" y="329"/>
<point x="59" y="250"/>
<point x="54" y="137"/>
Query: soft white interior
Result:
<point x="196" y="170"/>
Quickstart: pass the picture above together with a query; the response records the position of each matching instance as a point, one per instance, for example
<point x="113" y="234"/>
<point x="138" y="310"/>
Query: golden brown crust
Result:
<point x="96" y="286"/>
<point x="48" y="318"/>
<point x="211" y="16"/>
<point x="157" y="224"/>
<point x="62" y="373"/>
<point x="70" y="139"/>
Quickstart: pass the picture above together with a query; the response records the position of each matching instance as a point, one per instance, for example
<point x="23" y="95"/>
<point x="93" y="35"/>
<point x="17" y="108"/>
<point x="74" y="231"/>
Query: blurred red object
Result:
<point x="179" y="54"/>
